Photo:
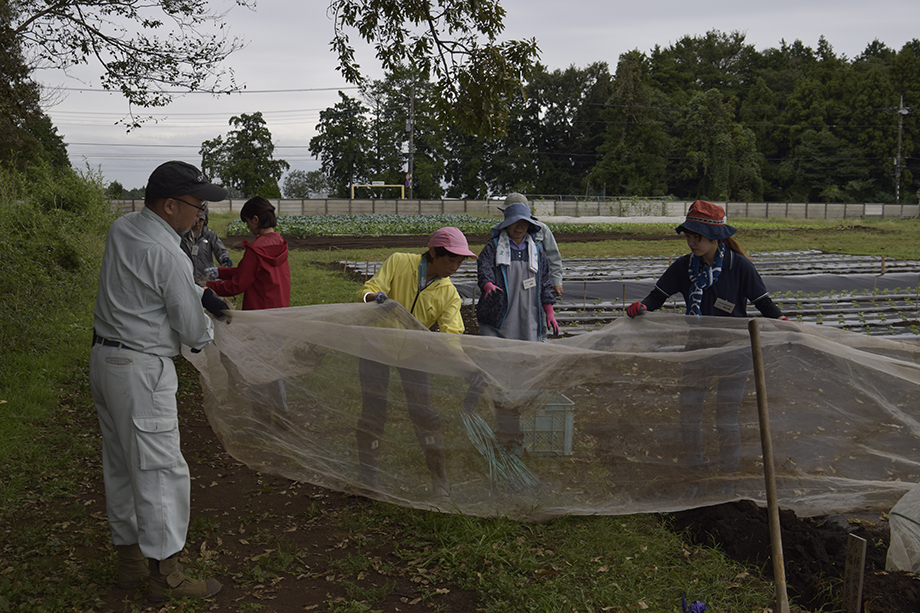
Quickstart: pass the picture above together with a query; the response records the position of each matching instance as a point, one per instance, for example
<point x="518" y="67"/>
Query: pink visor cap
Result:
<point x="451" y="239"/>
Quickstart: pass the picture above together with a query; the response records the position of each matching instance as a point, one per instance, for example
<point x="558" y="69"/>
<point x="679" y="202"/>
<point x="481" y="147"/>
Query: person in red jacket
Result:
<point x="263" y="276"/>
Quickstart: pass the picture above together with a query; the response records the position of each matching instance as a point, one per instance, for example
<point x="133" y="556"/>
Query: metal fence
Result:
<point x="572" y="208"/>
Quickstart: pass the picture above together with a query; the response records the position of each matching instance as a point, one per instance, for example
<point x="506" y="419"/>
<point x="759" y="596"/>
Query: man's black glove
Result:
<point x="214" y="305"/>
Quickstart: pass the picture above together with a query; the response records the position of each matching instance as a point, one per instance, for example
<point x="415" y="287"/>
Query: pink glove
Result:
<point x="636" y="309"/>
<point x="551" y="318"/>
<point x="488" y="287"/>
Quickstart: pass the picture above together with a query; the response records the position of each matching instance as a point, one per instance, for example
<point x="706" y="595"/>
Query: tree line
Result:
<point x="706" y="117"/>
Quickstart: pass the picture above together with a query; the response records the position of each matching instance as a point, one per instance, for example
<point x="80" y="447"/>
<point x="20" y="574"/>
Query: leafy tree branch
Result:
<point x="453" y="41"/>
<point x="143" y="48"/>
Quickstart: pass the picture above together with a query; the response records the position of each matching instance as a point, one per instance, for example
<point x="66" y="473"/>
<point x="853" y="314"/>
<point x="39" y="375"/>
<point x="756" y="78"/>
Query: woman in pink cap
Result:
<point x="716" y="279"/>
<point x="421" y="283"/>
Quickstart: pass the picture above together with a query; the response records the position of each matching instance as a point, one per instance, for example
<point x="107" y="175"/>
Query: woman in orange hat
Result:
<point x="716" y="279"/>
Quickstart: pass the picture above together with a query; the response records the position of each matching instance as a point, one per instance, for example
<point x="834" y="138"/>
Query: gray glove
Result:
<point x="380" y="297"/>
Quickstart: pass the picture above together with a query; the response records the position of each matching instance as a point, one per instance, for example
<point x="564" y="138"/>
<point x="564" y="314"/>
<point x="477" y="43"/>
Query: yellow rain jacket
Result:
<point x="438" y="302"/>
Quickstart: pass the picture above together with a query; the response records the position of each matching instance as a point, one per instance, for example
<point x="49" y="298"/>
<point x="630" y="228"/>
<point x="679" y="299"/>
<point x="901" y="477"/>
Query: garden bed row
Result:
<point x="865" y="294"/>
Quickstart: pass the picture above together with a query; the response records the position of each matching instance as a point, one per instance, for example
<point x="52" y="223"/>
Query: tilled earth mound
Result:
<point x="814" y="552"/>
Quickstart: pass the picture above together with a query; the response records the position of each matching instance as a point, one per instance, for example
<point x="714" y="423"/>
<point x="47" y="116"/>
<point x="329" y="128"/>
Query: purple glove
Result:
<point x="380" y="297"/>
<point x="636" y="309"/>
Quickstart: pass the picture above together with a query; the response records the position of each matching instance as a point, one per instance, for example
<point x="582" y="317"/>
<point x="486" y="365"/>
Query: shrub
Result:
<point x="51" y="255"/>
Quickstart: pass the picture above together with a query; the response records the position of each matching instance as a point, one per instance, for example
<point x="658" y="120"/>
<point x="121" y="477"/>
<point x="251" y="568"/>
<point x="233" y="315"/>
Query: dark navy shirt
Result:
<point x="738" y="283"/>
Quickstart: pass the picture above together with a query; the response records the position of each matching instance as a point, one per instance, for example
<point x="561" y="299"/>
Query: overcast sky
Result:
<point x="289" y="70"/>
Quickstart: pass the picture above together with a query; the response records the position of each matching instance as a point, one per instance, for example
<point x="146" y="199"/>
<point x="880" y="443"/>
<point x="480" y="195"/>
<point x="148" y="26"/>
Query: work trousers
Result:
<point x="375" y="379"/>
<point x="147" y="483"/>
<point x="727" y="376"/>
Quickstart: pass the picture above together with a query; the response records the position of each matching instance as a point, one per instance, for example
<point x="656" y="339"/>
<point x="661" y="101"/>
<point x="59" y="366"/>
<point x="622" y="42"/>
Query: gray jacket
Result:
<point x="203" y="249"/>
<point x="545" y="238"/>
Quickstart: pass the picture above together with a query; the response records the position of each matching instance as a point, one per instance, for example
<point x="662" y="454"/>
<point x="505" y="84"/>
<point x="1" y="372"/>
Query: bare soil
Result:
<point x="242" y="520"/>
<point x="241" y="517"/>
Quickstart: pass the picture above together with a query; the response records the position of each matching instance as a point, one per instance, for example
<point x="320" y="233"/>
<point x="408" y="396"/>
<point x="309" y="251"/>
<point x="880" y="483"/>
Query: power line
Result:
<point x="207" y="114"/>
<point x="209" y="92"/>
<point x="169" y="146"/>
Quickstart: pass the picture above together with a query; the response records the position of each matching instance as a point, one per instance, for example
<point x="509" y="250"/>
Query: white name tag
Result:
<point x="194" y="249"/>
<point x="529" y="283"/>
<point x="724" y="305"/>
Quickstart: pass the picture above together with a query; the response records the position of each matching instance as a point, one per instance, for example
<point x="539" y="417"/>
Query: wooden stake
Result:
<point x="766" y="443"/>
<point x="883" y="264"/>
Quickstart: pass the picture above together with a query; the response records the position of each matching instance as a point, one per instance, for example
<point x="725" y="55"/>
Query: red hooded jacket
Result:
<point x="263" y="276"/>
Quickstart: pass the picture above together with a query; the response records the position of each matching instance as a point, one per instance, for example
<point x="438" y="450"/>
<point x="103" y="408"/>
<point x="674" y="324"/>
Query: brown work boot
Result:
<point x="168" y="581"/>
<point x="132" y="566"/>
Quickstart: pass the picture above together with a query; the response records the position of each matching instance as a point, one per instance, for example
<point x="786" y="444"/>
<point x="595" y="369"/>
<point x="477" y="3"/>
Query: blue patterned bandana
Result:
<point x="701" y="279"/>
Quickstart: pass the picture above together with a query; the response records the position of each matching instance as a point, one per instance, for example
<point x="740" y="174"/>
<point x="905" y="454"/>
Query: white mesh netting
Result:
<point x="601" y="423"/>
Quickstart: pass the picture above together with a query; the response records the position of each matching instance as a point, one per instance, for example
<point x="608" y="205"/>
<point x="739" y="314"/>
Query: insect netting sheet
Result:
<point x="654" y="414"/>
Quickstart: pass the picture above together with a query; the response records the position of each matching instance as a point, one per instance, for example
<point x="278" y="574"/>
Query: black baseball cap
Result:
<point x="172" y="179"/>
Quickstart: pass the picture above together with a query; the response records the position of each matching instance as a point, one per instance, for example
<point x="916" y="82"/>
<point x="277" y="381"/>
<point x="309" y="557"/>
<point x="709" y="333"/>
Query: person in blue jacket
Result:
<point x="716" y="279"/>
<point x="515" y="280"/>
<point x="517" y="297"/>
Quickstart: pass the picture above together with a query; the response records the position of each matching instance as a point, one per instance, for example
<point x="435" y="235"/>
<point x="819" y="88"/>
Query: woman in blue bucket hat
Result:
<point x="716" y="279"/>
<point x="517" y="294"/>
<point x="515" y="280"/>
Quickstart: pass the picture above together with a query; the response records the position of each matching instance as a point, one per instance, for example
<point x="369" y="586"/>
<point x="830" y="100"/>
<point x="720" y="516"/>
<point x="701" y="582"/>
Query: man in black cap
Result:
<point x="146" y="306"/>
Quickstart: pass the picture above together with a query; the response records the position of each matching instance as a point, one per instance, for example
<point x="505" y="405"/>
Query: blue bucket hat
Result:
<point x="515" y="212"/>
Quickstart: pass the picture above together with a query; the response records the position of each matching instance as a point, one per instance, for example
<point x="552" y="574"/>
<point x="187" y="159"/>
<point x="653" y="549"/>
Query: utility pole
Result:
<point x="410" y="128"/>
<point x="902" y="111"/>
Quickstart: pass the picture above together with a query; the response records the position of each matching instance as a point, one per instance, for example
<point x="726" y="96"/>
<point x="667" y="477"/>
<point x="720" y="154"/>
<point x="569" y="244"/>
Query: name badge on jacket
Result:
<point x="529" y="283"/>
<point x="724" y="305"/>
